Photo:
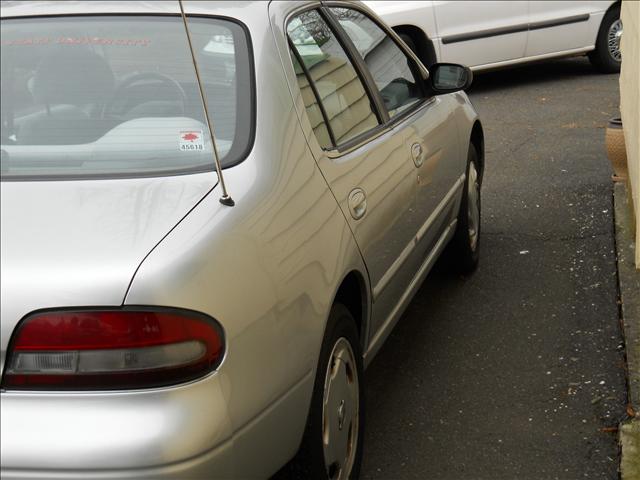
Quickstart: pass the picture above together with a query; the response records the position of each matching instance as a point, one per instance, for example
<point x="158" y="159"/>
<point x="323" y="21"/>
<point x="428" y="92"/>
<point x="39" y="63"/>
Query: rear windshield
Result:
<point x="118" y="96"/>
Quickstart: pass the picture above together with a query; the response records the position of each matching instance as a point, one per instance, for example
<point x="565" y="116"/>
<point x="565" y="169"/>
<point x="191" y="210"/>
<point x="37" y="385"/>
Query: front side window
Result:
<point x="342" y="95"/>
<point x="118" y="96"/>
<point x="388" y="64"/>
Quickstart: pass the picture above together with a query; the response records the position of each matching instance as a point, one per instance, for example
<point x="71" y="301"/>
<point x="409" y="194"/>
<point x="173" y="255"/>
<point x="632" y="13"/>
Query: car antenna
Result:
<point x="226" y="198"/>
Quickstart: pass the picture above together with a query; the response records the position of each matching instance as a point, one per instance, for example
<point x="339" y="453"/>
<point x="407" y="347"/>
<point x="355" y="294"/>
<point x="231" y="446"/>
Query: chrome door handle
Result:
<point x="416" y="154"/>
<point x="357" y="203"/>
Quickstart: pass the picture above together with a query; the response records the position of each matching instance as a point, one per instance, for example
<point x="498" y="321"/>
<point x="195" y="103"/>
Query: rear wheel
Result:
<point x="332" y="445"/>
<point x="607" y="57"/>
<point x="464" y="249"/>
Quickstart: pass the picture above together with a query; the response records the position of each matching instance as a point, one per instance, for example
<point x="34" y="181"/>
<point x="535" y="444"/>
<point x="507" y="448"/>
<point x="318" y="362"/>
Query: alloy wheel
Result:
<point x="613" y="40"/>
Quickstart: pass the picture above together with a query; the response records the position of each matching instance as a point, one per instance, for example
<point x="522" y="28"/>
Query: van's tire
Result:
<point x="337" y="405"/>
<point x="606" y="57"/>
<point x="410" y="43"/>
<point x="464" y="249"/>
<point x="420" y="44"/>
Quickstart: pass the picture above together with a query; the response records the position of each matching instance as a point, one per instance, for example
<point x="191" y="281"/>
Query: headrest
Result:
<point x="72" y="75"/>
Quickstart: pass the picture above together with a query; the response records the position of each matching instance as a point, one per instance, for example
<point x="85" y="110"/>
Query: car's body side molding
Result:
<point x="392" y="319"/>
<point x="388" y="276"/>
<point x="448" y="206"/>
<point x="523" y="27"/>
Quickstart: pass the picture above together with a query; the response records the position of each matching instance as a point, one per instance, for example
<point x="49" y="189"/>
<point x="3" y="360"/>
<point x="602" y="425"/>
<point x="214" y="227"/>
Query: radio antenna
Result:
<point x="225" y="199"/>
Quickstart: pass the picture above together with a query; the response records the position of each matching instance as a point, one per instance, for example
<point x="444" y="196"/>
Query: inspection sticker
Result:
<point x="191" y="141"/>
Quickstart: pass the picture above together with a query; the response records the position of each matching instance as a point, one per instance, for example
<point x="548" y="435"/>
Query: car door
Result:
<point x="481" y="32"/>
<point x="557" y="26"/>
<point x="427" y="124"/>
<point x="366" y="163"/>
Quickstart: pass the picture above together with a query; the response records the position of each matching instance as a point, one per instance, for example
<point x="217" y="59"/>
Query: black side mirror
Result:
<point x="449" y="77"/>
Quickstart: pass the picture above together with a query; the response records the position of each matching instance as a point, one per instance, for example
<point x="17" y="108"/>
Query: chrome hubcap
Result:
<point x="613" y="40"/>
<point x="340" y="411"/>
<point x="473" y="205"/>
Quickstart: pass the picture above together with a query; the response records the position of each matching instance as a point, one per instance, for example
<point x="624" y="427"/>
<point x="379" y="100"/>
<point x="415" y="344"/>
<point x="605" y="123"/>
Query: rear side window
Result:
<point x="312" y="105"/>
<point x="388" y="64"/>
<point x="341" y="95"/>
<point x="118" y="96"/>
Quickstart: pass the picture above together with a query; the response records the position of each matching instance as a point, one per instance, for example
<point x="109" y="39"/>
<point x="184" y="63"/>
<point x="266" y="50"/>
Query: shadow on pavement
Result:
<point x="540" y="72"/>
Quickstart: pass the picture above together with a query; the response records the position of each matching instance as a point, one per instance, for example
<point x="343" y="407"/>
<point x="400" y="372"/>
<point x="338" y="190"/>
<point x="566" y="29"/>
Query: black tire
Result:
<point x="309" y="462"/>
<point x="410" y="43"/>
<point x="601" y="58"/>
<point x="463" y="252"/>
<point x="423" y="49"/>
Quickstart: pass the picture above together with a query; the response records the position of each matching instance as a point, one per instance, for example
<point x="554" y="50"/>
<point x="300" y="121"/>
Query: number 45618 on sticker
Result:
<point x="191" y="140"/>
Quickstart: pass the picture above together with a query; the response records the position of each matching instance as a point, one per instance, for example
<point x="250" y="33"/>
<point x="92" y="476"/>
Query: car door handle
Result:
<point x="417" y="155"/>
<point x="357" y="203"/>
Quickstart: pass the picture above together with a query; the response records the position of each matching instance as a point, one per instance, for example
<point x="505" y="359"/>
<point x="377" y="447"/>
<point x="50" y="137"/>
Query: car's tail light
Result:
<point x="112" y="349"/>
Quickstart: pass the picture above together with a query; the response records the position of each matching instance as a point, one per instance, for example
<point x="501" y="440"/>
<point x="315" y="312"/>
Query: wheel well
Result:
<point x="424" y="46"/>
<point x="352" y="295"/>
<point x="477" y="139"/>
<point x="614" y="5"/>
<point x="617" y="4"/>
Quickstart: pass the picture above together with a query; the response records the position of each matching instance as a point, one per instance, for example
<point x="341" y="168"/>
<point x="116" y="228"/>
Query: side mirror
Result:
<point x="449" y="77"/>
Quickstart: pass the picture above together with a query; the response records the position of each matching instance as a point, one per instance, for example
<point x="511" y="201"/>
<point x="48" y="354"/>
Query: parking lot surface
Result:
<point x="516" y="371"/>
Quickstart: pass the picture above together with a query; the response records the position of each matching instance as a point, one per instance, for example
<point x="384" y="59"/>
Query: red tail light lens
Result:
<point x="112" y="349"/>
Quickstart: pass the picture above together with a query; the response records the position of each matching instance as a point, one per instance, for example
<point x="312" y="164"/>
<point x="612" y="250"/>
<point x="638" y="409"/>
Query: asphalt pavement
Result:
<point x="516" y="371"/>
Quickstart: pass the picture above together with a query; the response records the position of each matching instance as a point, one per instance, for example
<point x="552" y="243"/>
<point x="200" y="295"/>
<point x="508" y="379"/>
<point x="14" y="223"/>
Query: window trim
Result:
<point x="160" y="173"/>
<point x="411" y="59"/>
<point x="388" y="30"/>
<point x="358" y="64"/>
<point x="363" y="137"/>
<point x="389" y="123"/>
<point x="314" y="89"/>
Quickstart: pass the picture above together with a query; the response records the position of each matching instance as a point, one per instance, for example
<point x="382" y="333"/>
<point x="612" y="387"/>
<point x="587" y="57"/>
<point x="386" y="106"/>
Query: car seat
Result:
<point x="66" y="79"/>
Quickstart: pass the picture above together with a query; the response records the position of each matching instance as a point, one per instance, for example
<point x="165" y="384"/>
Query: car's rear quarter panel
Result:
<point x="267" y="269"/>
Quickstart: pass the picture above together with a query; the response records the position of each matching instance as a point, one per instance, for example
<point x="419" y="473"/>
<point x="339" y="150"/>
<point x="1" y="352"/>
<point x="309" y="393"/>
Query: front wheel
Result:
<point x="464" y="249"/>
<point x="607" y="57"/>
<point x="332" y="445"/>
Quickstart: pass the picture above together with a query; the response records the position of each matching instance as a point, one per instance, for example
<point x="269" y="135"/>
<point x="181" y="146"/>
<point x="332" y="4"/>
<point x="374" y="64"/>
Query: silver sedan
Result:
<point x="213" y="214"/>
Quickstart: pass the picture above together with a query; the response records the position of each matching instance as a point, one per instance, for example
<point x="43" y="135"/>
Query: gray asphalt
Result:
<point x="517" y="371"/>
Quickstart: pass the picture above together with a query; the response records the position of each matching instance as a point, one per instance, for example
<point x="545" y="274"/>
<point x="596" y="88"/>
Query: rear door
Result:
<point x="481" y="32"/>
<point x="427" y="124"/>
<point x="366" y="163"/>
